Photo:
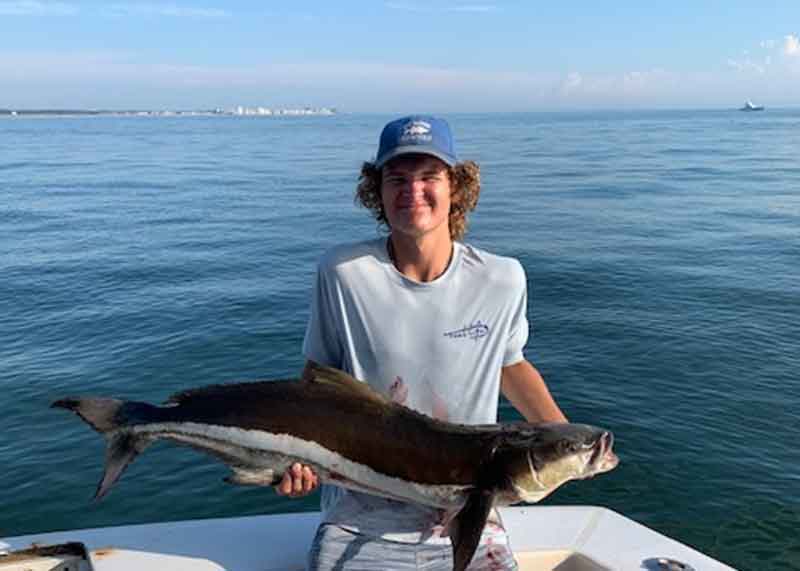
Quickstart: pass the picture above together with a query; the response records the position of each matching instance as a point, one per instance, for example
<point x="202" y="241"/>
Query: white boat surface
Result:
<point x="544" y="538"/>
<point x="749" y="106"/>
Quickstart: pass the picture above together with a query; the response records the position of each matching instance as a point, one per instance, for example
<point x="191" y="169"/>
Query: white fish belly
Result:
<point x="259" y="455"/>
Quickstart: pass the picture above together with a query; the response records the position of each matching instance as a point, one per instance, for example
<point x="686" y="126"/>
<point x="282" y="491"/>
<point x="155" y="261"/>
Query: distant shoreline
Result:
<point x="235" y="112"/>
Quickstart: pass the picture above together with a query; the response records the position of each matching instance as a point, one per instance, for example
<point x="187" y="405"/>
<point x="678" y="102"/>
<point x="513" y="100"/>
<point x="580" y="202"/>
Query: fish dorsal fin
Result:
<point x="316" y="373"/>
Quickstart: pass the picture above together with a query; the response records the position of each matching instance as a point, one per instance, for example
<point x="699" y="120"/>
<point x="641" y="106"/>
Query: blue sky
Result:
<point x="394" y="56"/>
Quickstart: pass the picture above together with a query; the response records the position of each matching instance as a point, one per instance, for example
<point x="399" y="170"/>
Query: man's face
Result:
<point x="416" y="195"/>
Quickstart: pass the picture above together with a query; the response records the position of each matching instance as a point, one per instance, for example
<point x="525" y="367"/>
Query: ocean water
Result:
<point x="142" y="256"/>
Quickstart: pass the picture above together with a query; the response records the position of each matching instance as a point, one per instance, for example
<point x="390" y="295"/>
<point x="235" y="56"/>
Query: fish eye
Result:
<point x="568" y="447"/>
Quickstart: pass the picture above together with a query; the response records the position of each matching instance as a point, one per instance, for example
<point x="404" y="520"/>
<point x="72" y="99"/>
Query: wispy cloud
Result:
<point x="791" y="46"/>
<point x="429" y="8"/>
<point x="571" y="83"/>
<point x="769" y="57"/>
<point x="86" y="79"/>
<point x="747" y="65"/>
<point x="482" y="8"/>
<point x="632" y="87"/>
<point x="170" y="10"/>
<point x="36" y="8"/>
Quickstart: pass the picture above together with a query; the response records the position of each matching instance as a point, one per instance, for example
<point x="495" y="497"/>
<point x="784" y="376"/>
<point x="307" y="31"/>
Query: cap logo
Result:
<point x="416" y="132"/>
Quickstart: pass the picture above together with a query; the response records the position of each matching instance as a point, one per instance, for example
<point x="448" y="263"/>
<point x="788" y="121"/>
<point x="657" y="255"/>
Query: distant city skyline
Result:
<point x="399" y="56"/>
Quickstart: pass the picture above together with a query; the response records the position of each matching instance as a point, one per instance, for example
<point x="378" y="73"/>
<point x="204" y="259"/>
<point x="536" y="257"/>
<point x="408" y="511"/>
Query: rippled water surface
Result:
<point x="141" y="256"/>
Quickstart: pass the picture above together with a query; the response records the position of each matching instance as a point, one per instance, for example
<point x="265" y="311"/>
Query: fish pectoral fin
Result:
<point x="122" y="449"/>
<point x="248" y="477"/>
<point x="466" y="528"/>
<point x="448" y="516"/>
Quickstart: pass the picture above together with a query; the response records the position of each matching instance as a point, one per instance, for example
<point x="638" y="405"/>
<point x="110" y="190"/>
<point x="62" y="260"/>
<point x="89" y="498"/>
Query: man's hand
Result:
<point x="298" y="481"/>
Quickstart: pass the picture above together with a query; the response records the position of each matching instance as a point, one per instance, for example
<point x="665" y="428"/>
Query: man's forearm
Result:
<point x="525" y="388"/>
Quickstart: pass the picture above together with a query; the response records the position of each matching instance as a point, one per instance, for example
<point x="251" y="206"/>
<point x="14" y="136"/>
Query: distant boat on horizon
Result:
<point x="748" y="106"/>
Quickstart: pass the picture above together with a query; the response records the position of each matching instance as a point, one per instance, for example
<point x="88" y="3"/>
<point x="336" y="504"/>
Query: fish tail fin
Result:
<point x="466" y="528"/>
<point x="112" y="418"/>
<point x="123" y="448"/>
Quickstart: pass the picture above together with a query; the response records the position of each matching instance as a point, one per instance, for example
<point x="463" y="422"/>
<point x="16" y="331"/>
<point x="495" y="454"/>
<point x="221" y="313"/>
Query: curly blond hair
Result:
<point x="465" y="180"/>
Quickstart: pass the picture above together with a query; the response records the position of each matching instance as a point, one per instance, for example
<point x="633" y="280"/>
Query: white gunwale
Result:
<point x="550" y="538"/>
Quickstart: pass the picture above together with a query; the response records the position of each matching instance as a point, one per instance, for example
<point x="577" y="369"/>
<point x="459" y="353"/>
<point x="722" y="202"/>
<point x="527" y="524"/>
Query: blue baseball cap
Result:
<point x="421" y="134"/>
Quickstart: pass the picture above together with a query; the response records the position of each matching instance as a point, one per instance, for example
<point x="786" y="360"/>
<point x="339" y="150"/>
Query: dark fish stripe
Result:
<point x="389" y="437"/>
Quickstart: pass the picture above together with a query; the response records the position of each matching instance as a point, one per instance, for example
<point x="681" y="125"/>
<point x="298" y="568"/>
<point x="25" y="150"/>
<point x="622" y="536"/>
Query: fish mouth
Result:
<point x="603" y="458"/>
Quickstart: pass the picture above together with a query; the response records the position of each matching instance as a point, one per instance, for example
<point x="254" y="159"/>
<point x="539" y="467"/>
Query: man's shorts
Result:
<point x="336" y="549"/>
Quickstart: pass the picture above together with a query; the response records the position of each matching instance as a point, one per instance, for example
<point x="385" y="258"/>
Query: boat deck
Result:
<point x="548" y="538"/>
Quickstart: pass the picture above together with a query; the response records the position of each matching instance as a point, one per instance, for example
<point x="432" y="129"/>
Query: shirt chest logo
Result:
<point x="476" y="330"/>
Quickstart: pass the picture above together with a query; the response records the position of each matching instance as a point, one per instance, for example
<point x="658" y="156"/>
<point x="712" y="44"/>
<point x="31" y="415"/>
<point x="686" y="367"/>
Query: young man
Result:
<point x="436" y="324"/>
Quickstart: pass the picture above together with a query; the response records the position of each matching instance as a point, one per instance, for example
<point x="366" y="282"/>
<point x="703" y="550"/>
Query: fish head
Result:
<point x="541" y="458"/>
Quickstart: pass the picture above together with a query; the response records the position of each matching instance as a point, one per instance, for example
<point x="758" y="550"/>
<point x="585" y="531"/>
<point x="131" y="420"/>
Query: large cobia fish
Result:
<point x="356" y="438"/>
